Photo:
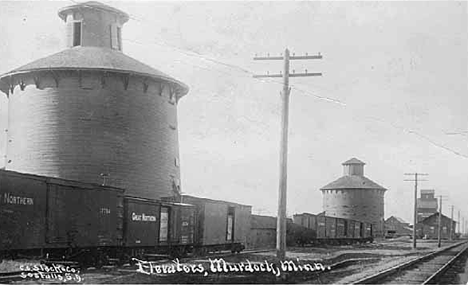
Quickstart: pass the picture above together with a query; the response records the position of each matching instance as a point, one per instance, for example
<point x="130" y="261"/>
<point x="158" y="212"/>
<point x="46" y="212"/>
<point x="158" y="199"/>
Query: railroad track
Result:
<point x="427" y="269"/>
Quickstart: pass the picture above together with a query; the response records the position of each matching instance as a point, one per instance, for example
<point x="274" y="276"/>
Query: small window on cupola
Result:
<point x="116" y="37"/>
<point x="76" y="34"/>
<point x="119" y="38"/>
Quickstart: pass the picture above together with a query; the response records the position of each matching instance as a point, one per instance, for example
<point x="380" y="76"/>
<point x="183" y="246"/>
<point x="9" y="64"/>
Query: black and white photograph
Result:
<point x="233" y="142"/>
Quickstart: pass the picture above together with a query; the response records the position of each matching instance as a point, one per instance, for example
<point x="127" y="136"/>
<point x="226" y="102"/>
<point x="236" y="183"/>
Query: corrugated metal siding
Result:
<point x="74" y="133"/>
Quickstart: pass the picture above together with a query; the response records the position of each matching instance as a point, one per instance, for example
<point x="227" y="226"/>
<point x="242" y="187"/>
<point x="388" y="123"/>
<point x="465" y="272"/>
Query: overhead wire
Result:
<point x="269" y="80"/>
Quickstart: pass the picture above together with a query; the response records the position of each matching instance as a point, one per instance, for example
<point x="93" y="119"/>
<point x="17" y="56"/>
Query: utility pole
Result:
<point x="439" y="234"/>
<point x="464" y="226"/>
<point x="415" y="216"/>
<point x="451" y="225"/>
<point x="282" y="197"/>
<point x="459" y="225"/>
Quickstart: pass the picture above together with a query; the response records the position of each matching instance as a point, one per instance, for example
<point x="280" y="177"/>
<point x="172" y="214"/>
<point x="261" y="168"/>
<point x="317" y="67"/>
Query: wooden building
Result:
<point x="397" y="227"/>
<point x="428" y="228"/>
<point x="426" y="205"/>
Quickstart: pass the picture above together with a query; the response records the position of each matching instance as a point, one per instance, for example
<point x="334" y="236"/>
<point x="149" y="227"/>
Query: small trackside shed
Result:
<point x="220" y="222"/>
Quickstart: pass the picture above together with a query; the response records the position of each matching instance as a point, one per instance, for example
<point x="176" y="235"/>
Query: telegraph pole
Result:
<point x="439" y="237"/>
<point x="415" y="216"/>
<point x="451" y="225"/>
<point x="282" y="197"/>
<point x="464" y="226"/>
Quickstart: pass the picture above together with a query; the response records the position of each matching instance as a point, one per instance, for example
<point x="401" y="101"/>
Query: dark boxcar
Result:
<point x="297" y="235"/>
<point x="42" y="212"/>
<point x="367" y="230"/>
<point x="151" y="223"/>
<point x="321" y="228"/>
<point x="330" y="227"/>
<point x="351" y="225"/>
<point x="22" y="211"/>
<point x="358" y="230"/>
<point x="182" y="223"/>
<point x="306" y="220"/>
<point x="83" y="215"/>
<point x="340" y="228"/>
<point x="299" y="219"/>
<point x="220" y="222"/>
<point x="142" y="222"/>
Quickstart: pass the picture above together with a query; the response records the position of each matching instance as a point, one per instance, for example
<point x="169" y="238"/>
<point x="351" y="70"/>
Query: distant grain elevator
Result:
<point x="356" y="197"/>
<point x="426" y="205"/>
<point x="91" y="113"/>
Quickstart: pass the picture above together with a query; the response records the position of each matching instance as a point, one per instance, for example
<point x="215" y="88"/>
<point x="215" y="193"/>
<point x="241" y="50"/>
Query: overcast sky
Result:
<point x="393" y="92"/>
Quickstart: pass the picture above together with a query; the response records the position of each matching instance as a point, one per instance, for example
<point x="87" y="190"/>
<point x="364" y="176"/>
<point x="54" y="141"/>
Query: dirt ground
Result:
<point x="316" y="265"/>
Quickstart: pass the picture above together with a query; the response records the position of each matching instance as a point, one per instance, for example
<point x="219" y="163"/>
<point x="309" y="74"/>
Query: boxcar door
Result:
<point x="321" y="227"/>
<point x="164" y="225"/>
<point x="230" y="224"/>
<point x="187" y="225"/>
<point x="345" y="234"/>
<point x="57" y="220"/>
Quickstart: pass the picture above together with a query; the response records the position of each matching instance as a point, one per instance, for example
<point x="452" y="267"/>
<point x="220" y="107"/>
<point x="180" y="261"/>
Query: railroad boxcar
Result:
<point x="333" y="230"/>
<point x="87" y="223"/>
<point x="368" y="231"/>
<point x="321" y="232"/>
<point x="153" y="227"/>
<point x="358" y="229"/>
<point x="330" y="227"/>
<point x="306" y="220"/>
<point x="220" y="225"/>
<point x="49" y="214"/>
<point x="341" y="228"/>
<point x="262" y="232"/>
<point x="350" y="230"/>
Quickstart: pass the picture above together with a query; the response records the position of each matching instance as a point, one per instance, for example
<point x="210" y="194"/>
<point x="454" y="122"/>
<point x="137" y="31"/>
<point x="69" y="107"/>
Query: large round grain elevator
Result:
<point x="93" y="114"/>
<point x="356" y="197"/>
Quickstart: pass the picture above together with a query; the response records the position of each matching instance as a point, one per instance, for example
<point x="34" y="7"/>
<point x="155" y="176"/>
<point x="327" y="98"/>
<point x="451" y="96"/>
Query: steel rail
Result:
<point x="375" y="278"/>
<point x="444" y="268"/>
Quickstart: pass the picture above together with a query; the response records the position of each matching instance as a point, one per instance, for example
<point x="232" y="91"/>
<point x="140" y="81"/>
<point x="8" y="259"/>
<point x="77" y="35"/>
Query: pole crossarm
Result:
<point x="290" y="75"/>
<point x="318" y="56"/>
<point x="305" y="74"/>
<point x="415" y="211"/>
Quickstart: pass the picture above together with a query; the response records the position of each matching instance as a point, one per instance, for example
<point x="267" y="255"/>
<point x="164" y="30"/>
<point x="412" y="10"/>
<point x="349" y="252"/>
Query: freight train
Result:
<point x="321" y="229"/>
<point x="94" y="224"/>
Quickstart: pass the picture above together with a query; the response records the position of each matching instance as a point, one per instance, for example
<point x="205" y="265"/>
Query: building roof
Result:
<point x="353" y="161"/>
<point x="400" y="220"/>
<point x="352" y="182"/>
<point x="96" y="58"/>
<point x="436" y="215"/>
<point x="93" y="5"/>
